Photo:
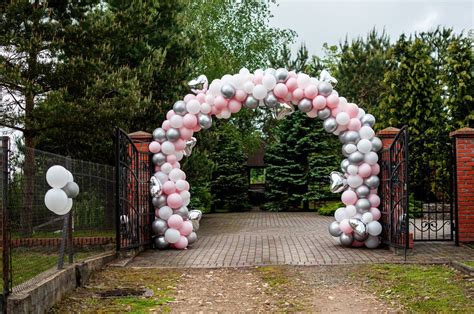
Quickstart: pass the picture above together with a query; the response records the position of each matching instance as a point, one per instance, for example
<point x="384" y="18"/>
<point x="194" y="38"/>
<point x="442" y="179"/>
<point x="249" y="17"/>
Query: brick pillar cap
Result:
<point x="140" y="136"/>
<point x="388" y="132"/>
<point x="463" y="132"/>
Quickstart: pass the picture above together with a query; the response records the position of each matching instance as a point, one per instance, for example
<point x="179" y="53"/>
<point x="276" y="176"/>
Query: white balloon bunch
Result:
<point x="58" y="199"/>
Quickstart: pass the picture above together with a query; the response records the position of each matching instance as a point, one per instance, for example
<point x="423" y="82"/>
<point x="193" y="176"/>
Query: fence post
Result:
<point x="387" y="136"/>
<point x="464" y="184"/>
<point x="4" y="147"/>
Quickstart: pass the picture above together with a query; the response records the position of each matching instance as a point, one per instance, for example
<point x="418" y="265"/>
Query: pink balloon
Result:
<point x="280" y="90"/>
<point x="335" y="111"/>
<point x="354" y="124"/>
<point x="291" y="84"/>
<point x="215" y="111"/>
<point x="310" y="91"/>
<point x="174" y="200"/>
<point x="176" y="165"/>
<point x="375" y="169"/>
<point x="313" y="113"/>
<point x="342" y="101"/>
<point x="349" y="197"/>
<point x="170" y="114"/>
<point x="352" y="110"/>
<point x="375" y="213"/>
<point x="157" y="168"/>
<point x="175" y="221"/>
<point x="169" y="187"/>
<point x="240" y="95"/>
<point x="319" y="102"/>
<point x="298" y="94"/>
<point x="292" y="74"/>
<point x="182" y="243"/>
<point x="257" y="78"/>
<point x="171" y="158"/>
<point x="197" y="128"/>
<point x="220" y="102"/>
<point x="340" y="128"/>
<point x="186" y="133"/>
<point x="365" y="170"/>
<point x="343" y="225"/>
<point x="189" y="121"/>
<point x="373" y="191"/>
<point x="234" y="106"/>
<point x="332" y="101"/>
<point x="180" y="144"/>
<point x="201" y="97"/>
<point x="356" y="243"/>
<point x="166" y="125"/>
<point x="187" y="228"/>
<point x="189" y="97"/>
<point x="154" y="147"/>
<point x="374" y="200"/>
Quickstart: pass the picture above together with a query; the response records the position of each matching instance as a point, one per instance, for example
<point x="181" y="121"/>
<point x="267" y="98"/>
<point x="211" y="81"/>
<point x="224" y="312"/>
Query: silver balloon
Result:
<point x="159" y="135"/>
<point x="356" y="158"/>
<point x="172" y="134"/>
<point x="159" y="202"/>
<point x="372" y="242"/>
<point x="179" y="108"/>
<point x="281" y="75"/>
<point x="344" y="164"/>
<point x="270" y="100"/>
<point x="199" y="84"/>
<point x="71" y="189"/>
<point x="192" y="237"/>
<point x="341" y="137"/>
<point x="368" y="119"/>
<point x="305" y="105"/>
<point x="337" y="182"/>
<point x="324" y="76"/>
<point x="334" y="229"/>
<point x="205" y="121"/>
<point x="325" y="88"/>
<point x="372" y="182"/>
<point x="362" y="205"/>
<point x="183" y="212"/>
<point x="363" y="191"/>
<point x="351" y="137"/>
<point x="195" y="216"/>
<point x="330" y="125"/>
<point x="283" y="110"/>
<point x="344" y="150"/>
<point x="251" y="102"/>
<point x="228" y="91"/>
<point x="376" y="144"/>
<point x="323" y="114"/>
<point x="188" y="149"/>
<point x="159" y="159"/>
<point x="160" y="243"/>
<point x="159" y="226"/>
<point x="346" y="239"/>
<point x="360" y="229"/>
<point x="155" y="187"/>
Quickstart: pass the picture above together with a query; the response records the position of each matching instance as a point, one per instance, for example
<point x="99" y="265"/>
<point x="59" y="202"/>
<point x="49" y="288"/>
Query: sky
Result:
<point x="317" y="22"/>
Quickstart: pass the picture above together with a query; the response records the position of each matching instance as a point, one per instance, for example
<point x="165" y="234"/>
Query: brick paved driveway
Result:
<point x="264" y="238"/>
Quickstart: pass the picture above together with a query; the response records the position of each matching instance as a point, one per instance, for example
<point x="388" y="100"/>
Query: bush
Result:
<point x="328" y="208"/>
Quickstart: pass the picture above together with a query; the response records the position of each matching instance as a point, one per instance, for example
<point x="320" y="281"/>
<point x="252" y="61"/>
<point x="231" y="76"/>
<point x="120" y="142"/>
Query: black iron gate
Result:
<point x="133" y="204"/>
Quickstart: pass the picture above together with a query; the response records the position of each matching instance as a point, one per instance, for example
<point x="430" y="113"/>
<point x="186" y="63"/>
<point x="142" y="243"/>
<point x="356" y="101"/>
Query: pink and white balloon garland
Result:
<point x="279" y="90"/>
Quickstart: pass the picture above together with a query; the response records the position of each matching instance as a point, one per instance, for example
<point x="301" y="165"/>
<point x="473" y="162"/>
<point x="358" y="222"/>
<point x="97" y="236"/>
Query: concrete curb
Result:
<point x="466" y="269"/>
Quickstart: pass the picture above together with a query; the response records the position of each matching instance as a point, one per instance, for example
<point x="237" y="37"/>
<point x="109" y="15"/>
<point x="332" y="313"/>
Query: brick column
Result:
<point x="464" y="161"/>
<point x="141" y="140"/>
<point x="387" y="136"/>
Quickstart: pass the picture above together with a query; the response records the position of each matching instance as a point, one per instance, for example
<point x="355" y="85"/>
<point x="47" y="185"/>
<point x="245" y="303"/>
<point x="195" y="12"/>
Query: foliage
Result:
<point x="328" y="208"/>
<point x="257" y="175"/>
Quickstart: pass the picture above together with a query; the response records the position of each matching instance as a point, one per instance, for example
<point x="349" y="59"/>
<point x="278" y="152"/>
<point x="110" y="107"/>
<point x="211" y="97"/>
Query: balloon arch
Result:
<point x="279" y="90"/>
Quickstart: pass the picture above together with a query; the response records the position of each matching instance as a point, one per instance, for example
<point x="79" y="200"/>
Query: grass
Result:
<point x="421" y="288"/>
<point x="273" y="276"/>
<point x="469" y="263"/>
<point x="328" y="208"/>
<point x="76" y="234"/>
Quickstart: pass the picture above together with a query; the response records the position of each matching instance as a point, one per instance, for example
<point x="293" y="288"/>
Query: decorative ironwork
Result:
<point x="133" y="204"/>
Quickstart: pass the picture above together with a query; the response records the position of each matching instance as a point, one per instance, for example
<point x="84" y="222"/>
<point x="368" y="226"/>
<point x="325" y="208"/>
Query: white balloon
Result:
<point x="259" y="92"/>
<point x="343" y="118"/>
<point x="371" y="158"/>
<point x="66" y="209"/>
<point x="352" y="169"/>
<point x="340" y="214"/>
<point x="303" y="80"/>
<point x="172" y="235"/>
<point x="354" y="181"/>
<point x="244" y="71"/>
<point x="167" y="148"/>
<point x="210" y="99"/>
<point x="57" y="176"/>
<point x="176" y="121"/>
<point x="248" y="87"/>
<point x="71" y="177"/>
<point x="227" y="79"/>
<point x="56" y="200"/>
<point x="361" y="113"/>
<point x="193" y="106"/>
<point x="161" y="176"/>
<point x="351" y="210"/>
<point x="181" y="185"/>
<point x="366" y="132"/>
<point x="374" y="228"/>
<point x="185" y="195"/>
<point x="225" y="114"/>
<point x="179" y="155"/>
<point x="176" y="174"/>
<point x="215" y="87"/>
<point x="350" y="148"/>
<point x="166" y="168"/>
<point x="367" y="217"/>
<point x="364" y="146"/>
<point x="372" y="242"/>
<point x="269" y="81"/>
<point x="206" y="108"/>
<point x="165" y="212"/>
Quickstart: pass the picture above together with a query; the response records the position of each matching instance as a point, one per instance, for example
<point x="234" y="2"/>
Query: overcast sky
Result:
<point x="317" y="22"/>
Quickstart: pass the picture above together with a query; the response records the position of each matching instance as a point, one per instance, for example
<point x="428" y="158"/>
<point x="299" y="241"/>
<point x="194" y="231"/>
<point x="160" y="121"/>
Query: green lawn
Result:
<point x="469" y="263"/>
<point x="77" y="233"/>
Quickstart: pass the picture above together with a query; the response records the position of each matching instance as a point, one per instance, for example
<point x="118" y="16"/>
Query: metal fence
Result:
<point x="34" y="239"/>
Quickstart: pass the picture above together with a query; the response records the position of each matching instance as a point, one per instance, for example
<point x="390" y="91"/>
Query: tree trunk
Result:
<point x="29" y="171"/>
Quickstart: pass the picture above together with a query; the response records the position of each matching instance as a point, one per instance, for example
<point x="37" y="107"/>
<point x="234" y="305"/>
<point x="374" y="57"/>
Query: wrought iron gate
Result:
<point x="133" y="204"/>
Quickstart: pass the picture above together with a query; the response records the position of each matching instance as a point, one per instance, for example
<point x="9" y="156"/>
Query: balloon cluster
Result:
<point x="280" y="91"/>
<point x="58" y="199"/>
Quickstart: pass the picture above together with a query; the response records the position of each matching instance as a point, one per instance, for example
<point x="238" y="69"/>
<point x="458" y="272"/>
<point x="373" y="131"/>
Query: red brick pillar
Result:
<point x="464" y="159"/>
<point x="141" y="140"/>
<point x="387" y="136"/>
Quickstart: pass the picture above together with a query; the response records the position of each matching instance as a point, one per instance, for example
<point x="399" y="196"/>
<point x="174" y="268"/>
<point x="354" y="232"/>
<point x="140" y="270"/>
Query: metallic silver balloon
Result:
<point x="368" y="119"/>
<point x="160" y="243"/>
<point x="159" y="135"/>
<point x="188" y="149"/>
<point x="362" y="191"/>
<point x="159" y="226"/>
<point x="330" y="125"/>
<point x="324" y="76"/>
<point x="360" y="229"/>
<point x="155" y="187"/>
<point x="346" y="239"/>
<point x="205" y="121"/>
<point x="183" y="212"/>
<point x="251" y="102"/>
<point x="323" y="114"/>
<point x="281" y="75"/>
<point x="159" y="159"/>
<point x="270" y="100"/>
<point x="159" y="202"/>
<point x="376" y="144"/>
<point x="362" y="205"/>
<point x="334" y="229"/>
<point x="228" y="91"/>
<point x="351" y="137"/>
<point x="337" y="182"/>
<point x="341" y="137"/>
<point x="192" y="237"/>
<point x="372" y="182"/>
<point x="325" y="88"/>
<point x="356" y="158"/>
<point x="372" y="242"/>
<point x="283" y="110"/>
<point x="172" y="134"/>
<point x="179" y="108"/>
<point x="305" y="105"/>
<point x="199" y="84"/>
<point x="344" y="164"/>
<point x="195" y="216"/>
<point x="71" y="189"/>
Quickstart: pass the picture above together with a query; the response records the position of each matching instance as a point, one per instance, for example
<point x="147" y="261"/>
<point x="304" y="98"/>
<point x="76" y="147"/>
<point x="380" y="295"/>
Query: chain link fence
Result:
<point x="40" y="240"/>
